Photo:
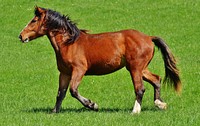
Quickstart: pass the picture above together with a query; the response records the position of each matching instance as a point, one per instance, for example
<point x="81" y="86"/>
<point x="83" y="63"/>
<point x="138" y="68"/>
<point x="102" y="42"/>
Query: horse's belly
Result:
<point x="102" y="68"/>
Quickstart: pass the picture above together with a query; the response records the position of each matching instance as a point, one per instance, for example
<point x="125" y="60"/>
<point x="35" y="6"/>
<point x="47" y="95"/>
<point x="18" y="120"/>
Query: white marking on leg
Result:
<point x="160" y="105"/>
<point x="137" y="108"/>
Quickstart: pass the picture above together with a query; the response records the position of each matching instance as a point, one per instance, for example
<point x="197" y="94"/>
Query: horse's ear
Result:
<point x="39" y="11"/>
<point x="36" y="7"/>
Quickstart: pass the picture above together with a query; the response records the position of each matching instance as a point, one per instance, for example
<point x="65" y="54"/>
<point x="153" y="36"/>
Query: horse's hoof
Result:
<point x="137" y="108"/>
<point x="55" y="111"/>
<point x="95" y="107"/>
<point x="135" y="112"/>
<point x="160" y="104"/>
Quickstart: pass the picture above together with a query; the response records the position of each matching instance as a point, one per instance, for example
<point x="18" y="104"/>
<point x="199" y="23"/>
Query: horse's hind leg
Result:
<point x="155" y="81"/>
<point x="75" y="81"/>
<point x="139" y="89"/>
<point x="63" y="85"/>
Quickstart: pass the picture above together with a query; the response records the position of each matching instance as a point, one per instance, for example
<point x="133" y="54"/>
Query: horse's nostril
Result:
<point x="26" y="40"/>
<point x="20" y="37"/>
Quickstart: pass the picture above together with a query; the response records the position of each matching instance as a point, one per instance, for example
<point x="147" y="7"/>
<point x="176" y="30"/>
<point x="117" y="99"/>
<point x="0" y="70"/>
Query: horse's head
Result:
<point x="36" y="27"/>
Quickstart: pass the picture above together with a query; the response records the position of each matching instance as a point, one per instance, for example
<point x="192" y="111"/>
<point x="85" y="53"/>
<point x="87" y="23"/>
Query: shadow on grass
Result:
<point x="49" y="110"/>
<point x="75" y="110"/>
<point x="83" y="109"/>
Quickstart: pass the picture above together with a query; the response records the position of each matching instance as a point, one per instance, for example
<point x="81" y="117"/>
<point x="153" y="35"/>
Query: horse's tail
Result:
<point x="171" y="71"/>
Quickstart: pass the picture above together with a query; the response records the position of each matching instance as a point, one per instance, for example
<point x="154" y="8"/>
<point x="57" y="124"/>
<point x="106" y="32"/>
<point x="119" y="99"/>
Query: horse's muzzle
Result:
<point x="21" y="39"/>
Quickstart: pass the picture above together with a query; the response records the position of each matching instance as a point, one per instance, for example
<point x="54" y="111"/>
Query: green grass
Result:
<point x="29" y="76"/>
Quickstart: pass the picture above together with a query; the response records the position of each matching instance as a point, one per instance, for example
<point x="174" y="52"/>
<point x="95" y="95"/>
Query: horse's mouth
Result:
<point x="26" y="40"/>
<point x="23" y="40"/>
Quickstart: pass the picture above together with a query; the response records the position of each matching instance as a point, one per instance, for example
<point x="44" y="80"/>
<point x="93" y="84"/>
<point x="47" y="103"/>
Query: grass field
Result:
<point x="29" y="76"/>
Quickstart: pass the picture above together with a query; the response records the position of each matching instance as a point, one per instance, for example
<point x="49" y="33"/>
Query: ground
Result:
<point x="29" y="77"/>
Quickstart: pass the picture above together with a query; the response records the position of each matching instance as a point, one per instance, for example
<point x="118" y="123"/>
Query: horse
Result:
<point x="79" y="53"/>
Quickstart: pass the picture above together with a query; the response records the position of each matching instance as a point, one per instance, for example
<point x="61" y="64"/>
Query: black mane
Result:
<point x="57" y="21"/>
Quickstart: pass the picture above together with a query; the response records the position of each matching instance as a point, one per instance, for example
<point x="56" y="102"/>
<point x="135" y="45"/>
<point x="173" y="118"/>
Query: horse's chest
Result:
<point x="63" y="65"/>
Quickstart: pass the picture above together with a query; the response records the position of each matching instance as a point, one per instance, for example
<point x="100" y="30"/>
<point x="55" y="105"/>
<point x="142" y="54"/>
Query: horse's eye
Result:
<point x="33" y="21"/>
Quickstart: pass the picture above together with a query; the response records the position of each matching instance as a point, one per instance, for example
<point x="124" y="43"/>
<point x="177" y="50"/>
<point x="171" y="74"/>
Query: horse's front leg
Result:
<point x="77" y="76"/>
<point x="63" y="85"/>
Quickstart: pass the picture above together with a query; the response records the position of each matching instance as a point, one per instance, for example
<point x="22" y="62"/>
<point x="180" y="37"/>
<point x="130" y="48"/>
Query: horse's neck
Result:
<point x="57" y="39"/>
<point x="53" y="42"/>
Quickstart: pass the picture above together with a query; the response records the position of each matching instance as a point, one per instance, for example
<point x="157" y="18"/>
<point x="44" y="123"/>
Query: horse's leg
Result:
<point x="63" y="85"/>
<point x="77" y="75"/>
<point x="155" y="81"/>
<point x="139" y="89"/>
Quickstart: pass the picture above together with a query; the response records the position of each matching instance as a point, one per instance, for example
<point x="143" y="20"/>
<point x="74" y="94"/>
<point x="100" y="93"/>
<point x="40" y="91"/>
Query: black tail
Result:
<point x="171" y="71"/>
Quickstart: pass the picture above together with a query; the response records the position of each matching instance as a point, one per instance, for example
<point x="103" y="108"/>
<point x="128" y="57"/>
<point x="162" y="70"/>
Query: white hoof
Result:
<point x="160" y="105"/>
<point x="137" y="108"/>
<point x="96" y="108"/>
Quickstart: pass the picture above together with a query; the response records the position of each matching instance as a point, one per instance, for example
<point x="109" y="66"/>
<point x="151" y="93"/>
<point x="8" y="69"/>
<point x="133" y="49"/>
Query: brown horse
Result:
<point x="79" y="53"/>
